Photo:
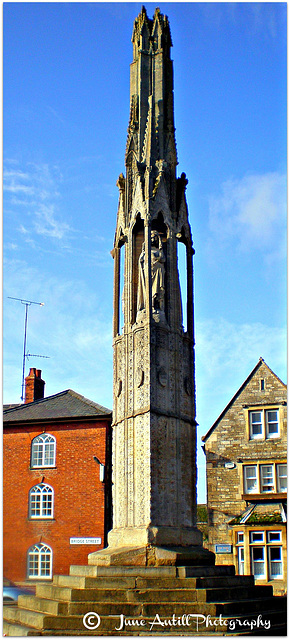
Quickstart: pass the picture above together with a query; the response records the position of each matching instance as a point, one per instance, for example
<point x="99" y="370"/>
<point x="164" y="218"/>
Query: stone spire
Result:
<point x="154" y="427"/>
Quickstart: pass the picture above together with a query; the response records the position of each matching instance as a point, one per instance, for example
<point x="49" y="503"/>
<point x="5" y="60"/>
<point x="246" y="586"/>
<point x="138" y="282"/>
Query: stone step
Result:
<point x="26" y="617"/>
<point x="215" y="570"/>
<point x="15" y="630"/>
<point x="194" y="583"/>
<point x="217" y="594"/>
<point x="226" y="608"/>
<point x="53" y="592"/>
<point x="274" y="604"/>
<point x="126" y="571"/>
<point x="93" y="571"/>
<point x="223" y="581"/>
<point x="163" y="626"/>
<point x="34" y="603"/>
<point x="82" y="582"/>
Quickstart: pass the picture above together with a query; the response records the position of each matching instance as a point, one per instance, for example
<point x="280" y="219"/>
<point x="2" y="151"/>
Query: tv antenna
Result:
<point x="27" y="304"/>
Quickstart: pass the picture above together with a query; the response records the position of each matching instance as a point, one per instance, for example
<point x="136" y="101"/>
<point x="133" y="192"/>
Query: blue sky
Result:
<point x="66" y="112"/>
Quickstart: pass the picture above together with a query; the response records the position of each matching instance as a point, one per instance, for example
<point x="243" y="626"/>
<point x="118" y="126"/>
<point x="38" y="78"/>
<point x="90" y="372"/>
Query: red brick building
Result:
<point x="56" y="482"/>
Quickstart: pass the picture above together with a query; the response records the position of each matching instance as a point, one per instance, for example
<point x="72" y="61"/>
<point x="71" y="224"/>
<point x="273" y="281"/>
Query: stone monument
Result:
<point x="154" y="427"/>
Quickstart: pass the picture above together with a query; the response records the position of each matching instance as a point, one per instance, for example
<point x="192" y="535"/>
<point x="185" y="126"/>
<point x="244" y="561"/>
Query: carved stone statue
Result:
<point x="158" y="280"/>
<point x="141" y="293"/>
<point x="157" y="273"/>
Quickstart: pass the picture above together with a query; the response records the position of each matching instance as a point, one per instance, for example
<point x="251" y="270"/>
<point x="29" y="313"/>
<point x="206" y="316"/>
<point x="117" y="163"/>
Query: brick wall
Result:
<point x="79" y="495"/>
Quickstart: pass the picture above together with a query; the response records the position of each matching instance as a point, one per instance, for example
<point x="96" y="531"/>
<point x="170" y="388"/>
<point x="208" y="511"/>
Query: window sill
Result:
<point x="41" y="519"/>
<point x="249" y="497"/>
<point x="42" y="468"/>
<point x="263" y="439"/>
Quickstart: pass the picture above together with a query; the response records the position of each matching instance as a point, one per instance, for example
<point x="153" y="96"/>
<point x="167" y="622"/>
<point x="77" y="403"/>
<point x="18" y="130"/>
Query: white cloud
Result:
<point x="47" y="224"/>
<point x="251" y="213"/>
<point x="38" y="187"/>
<point x="73" y="328"/>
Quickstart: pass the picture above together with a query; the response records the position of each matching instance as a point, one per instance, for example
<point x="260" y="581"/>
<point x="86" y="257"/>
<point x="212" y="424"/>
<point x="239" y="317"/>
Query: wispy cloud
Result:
<point x="38" y="188"/>
<point x="251" y="213"/>
<point x="73" y="329"/>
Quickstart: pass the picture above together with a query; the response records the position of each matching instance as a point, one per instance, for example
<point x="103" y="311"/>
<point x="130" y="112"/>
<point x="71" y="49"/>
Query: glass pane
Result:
<point x="282" y="477"/>
<point x="256" y="536"/>
<point x="36" y="454"/>
<point x="258" y="568"/>
<point x="256" y="424"/>
<point x="272" y="423"/>
<point x="258" y="562"/>
<point x="241" y="561"/>
<point x="251" y="472"/>
<point x="274" y="536"/>
<point x="275" y="556"/>
<point x="276" y="569"/>
<point x="267" y="477"/>
<point x="275" y="553"/>
<point x="256" y="417"/>
<point x="251" y="484"/>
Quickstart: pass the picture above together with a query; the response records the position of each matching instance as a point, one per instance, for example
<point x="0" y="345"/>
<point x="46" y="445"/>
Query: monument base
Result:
<point x="155" y="535"/>
<point x="153" y="546"/>
<point x="151" y="556"/>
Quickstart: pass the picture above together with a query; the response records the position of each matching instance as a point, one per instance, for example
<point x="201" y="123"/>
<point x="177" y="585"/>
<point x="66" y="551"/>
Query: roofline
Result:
<point x="56" y="395"/>
<point x="258" y="365"/>
<point x="72" y="419"/>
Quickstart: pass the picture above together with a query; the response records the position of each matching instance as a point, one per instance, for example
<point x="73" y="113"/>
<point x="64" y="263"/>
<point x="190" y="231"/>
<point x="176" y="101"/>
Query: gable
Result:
<point x="250" y="393"/>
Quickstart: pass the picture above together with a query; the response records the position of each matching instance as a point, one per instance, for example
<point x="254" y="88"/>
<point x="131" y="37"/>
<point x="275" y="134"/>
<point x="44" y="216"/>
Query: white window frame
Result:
<point x="39" y="562"/>
<point x="264" y="422"/>
<point x="276" y="533"/>
<point x="260" y="435"/>
<point x="241" y="552"/>
<point x="267" y="478"/>
<point x="254" y="549"/>
<point x="280" y="476"/>
<point x="267" y="541"/>
<point x="41" y="502"/>
<point x="274" y="575"/>
<point x="43" y="451"/>
<point x="261" y="484"/>
<point x="257" y="533"/>
<point x="255" y="488"/>
<point x="276" y="434"/>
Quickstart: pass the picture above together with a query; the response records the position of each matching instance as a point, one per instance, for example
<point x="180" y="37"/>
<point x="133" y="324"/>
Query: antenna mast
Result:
<point x="27" y="304"/>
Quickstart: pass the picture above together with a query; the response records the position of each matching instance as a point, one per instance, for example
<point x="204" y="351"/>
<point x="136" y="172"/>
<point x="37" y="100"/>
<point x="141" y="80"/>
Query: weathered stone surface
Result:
<point x="154" y="428"/>
<point x="229" y="448"/>
<point x="151" y="555"/>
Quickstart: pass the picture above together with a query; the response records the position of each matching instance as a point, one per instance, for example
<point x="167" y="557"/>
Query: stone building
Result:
<point x="56" y="482"/>
<point x="247" y="479"/>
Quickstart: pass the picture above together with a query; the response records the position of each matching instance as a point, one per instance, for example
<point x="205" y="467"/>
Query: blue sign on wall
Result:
<point x="223" y="548"/>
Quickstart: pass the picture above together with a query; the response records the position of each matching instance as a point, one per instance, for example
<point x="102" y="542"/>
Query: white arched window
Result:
<point x="41" y="501"/>
<point x="43" y="449"/>
<point x="40" y="561"/>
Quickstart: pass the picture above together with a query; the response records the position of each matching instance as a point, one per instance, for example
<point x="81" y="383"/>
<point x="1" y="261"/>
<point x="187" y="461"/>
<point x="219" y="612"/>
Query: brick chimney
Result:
<point x="34" y="386"/>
